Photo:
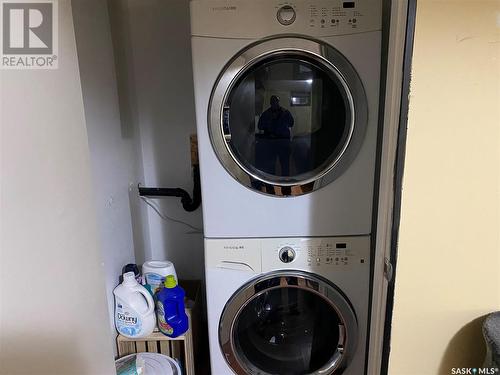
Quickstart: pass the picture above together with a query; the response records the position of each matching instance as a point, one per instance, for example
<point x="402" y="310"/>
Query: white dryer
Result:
<point x="287" y="111"/>
<point x="288" y="306"/>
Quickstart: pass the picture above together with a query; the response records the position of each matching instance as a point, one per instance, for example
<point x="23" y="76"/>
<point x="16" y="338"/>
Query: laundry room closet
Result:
<point x="135" y="68"/>
<point x="128" y="121"/>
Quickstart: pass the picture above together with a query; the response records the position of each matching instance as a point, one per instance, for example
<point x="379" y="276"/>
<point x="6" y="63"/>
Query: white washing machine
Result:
<point x="287" y="110"/>
<point x="288" y="306"/>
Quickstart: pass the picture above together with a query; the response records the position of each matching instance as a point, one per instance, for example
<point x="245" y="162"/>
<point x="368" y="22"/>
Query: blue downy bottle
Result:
<point x="170" y="309"/>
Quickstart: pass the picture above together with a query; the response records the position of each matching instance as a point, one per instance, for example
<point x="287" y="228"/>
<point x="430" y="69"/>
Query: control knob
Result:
<point x="286" y="15"/>
<point x="287" y="254"/>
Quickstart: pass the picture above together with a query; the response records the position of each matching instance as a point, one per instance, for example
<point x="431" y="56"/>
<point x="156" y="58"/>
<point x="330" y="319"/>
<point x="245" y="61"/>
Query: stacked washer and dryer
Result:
<point x="287" y="96"/>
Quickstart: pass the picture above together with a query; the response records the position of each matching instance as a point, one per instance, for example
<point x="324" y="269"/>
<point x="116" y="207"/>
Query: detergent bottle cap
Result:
<point x="170" y="282"/>
<point x="129" y="278"/>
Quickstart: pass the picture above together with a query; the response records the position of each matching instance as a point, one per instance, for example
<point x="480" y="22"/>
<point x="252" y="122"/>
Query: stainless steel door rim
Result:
<point x="348" y="327"/>
<point x="298" y="49"/>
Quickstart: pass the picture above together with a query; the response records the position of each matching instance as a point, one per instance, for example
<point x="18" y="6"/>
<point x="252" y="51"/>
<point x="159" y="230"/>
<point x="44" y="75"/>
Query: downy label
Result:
<point x="127" y="322"/>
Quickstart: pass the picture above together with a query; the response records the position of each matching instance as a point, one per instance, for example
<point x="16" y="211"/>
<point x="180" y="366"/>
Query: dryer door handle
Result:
<point x="226" y="130"/>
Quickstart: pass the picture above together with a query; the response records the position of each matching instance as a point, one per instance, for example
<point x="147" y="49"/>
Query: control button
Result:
<point x="318" y="260"/>
<point x="322" y="21"/>
<point x="287" y="254"/>
<point x="286" y="15"/>
<point x="354" y="20"/>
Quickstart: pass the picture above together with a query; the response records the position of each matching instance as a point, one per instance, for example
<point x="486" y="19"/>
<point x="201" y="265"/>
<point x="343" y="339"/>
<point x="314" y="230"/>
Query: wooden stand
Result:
<point x="182" y="348"/>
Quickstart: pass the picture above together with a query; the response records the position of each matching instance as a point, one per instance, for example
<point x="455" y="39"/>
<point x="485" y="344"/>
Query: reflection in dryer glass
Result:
<point x="288" y="118"/>
<point x="286" y="331"/>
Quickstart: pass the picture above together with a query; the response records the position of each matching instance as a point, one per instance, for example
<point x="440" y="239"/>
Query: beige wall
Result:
<point x="448" y="274"/>
<point x="53" y="316"/>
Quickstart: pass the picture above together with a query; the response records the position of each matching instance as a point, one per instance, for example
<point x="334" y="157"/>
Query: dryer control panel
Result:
<point x="262" y="18"/>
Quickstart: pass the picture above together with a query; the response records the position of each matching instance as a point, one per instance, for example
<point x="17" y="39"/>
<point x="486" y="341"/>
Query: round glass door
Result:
<point x="286" y="121"/>
<point x="288" y="323"/>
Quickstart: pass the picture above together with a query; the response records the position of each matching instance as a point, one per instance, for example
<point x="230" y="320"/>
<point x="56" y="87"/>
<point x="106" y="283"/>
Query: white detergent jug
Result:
<point x="134" y="308"/>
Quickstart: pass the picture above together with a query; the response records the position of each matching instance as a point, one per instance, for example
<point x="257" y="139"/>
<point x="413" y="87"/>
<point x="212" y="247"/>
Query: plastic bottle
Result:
<point x="132" y="267"/>
<point x="170" y="309"/>
<point x="134" y="308"/>
<point x="155" y="271"/>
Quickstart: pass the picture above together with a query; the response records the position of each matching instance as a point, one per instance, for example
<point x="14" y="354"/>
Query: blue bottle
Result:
<point x="170" y="309"/>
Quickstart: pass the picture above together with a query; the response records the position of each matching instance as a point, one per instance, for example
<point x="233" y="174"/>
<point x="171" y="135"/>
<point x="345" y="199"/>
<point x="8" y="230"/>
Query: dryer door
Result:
<point x="287" y="116"/>
<point x="288" y="322"/>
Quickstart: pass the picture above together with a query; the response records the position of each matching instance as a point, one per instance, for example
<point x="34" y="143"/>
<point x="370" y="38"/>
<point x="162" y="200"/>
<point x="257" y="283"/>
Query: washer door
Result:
<point x="287" y="116"/>
<point x="290" y="323"/>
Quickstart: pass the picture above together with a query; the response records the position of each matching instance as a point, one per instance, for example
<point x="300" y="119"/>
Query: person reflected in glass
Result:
<point x="275" y="123"/>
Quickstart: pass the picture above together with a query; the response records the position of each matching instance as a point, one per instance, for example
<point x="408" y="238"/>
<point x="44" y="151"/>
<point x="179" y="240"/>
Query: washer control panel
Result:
<point x="323" y="255"/>
<point x="315" y="254"/>
<point x="320" y="252"/>
<point x="330" y="253"/>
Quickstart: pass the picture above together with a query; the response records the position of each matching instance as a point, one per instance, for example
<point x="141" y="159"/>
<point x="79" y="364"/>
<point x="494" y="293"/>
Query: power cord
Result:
<point x="195" y="230"/>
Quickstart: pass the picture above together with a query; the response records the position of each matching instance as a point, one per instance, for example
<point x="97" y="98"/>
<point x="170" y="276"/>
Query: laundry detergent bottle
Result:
<point x="134" y="308"/>
<point x="170" y="309"/>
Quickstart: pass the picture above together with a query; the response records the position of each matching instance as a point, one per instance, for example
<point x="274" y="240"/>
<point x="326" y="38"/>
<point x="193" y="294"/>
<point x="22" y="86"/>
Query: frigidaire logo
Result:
<point x="223" y="8"/>
<point x="475" y="370"/>
<point x="29" y="34"/>
<point x="234" y="247"/>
